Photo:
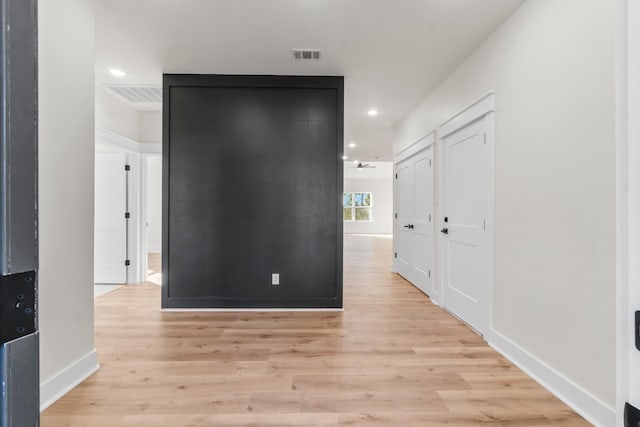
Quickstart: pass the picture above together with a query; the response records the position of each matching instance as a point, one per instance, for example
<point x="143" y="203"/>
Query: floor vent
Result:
<point x="306" y="54"/>
<point x="138" y="93"/>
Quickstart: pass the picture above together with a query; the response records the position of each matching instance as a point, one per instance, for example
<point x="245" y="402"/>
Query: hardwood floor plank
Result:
<point x="390" y="359"/>
<point x="341" y="401"/>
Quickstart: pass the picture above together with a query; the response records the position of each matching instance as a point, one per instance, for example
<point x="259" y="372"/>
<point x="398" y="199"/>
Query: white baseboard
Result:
<point x="580" y="400"/>
<point x="62" y="382"/>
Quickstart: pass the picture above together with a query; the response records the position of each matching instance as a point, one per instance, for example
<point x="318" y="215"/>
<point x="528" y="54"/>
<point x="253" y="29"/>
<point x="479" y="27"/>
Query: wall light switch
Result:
<point x="275" y="279"/>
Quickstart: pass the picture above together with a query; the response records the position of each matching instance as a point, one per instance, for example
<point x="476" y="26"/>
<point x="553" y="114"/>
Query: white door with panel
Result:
<point x="415" y="244"/>
<point x="110" y="222"/>
<point x="465" y="216"/>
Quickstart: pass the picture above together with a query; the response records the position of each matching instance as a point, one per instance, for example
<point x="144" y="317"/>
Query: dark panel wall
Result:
<point x="253" y="184"/>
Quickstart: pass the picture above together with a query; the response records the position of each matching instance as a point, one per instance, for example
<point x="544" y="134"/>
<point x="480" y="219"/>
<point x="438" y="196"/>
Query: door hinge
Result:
<point x="396" y="216"/>
<point x="631" y="415"/>
<point x="127" y="215"/>
<point x="396" y="176"/>
<point x="484" y="224"/>
<point x="485" y="138"/>
<point x="429" y="217"/>
<point x="395" y="254"/>
<point x="127" y="262"/>
<point x="429" y="162"/>
<point x="429" y="273"/>
<point x="127" y="167"/>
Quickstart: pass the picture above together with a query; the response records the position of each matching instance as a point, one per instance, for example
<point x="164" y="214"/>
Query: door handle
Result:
<point x="445" y="231"/>
<point x="409" y="226"/>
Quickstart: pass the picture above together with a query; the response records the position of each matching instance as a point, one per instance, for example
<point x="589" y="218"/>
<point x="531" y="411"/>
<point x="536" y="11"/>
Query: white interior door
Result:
<point x="466" y="254"/>
<point x="414" y="225"/>
<point x="110" y="222"/>
<point x="404" y="182"/>
<point x="422" y="221"/>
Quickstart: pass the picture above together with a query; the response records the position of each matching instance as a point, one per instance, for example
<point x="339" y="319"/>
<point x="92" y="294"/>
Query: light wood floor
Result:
<point x="154" y="268"/>
<point x="154" y="263"/>
<point x="390" y="359"/>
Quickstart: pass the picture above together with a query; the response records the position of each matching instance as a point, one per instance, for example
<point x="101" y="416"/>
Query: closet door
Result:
<point x="422" y="232"/>
<point x="415" y="219"/>
<point x="465" y="234"/>
<point x="404" y="192"/>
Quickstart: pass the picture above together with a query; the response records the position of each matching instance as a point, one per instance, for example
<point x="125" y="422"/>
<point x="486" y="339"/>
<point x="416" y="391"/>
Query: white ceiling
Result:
<point x="391" y="52"/>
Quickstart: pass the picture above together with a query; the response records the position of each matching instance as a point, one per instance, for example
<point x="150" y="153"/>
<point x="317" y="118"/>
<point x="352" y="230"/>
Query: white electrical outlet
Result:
<point x="275" y="279"/>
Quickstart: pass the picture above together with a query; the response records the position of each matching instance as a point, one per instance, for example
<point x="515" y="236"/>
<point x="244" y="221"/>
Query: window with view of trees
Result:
<point x="357" y="207"/>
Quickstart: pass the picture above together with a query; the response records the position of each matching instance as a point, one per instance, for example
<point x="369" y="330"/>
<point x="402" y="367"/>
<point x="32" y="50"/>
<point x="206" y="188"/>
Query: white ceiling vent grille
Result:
<point x="306" y="54"/>
<point x="138" y="93"/>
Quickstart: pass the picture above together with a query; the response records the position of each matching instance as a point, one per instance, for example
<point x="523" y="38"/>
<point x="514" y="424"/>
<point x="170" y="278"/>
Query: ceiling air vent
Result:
<point x="138" y="93"/>
<point x="306" y="54"/>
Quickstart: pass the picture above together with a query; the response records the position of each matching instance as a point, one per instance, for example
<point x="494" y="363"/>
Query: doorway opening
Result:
<point x="153" y="223"/>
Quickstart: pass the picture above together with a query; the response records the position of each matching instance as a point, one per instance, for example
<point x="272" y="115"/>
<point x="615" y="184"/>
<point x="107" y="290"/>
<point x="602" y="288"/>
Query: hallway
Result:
<point x="391" y="358"/>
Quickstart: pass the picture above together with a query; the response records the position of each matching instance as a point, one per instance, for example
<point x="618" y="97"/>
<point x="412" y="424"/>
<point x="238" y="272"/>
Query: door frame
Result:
<point x="627" y="198"/>
<point x="429" y="140"/>
<point x="482" y="109"/>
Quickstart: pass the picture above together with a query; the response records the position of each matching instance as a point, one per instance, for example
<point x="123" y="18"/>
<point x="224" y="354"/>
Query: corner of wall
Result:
<point x="580" y="400"/>
<point x="64" y="381"/>
<point x="66" y="102"/>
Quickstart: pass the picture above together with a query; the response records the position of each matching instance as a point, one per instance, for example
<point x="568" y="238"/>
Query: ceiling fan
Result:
<point x="365" y="166"/>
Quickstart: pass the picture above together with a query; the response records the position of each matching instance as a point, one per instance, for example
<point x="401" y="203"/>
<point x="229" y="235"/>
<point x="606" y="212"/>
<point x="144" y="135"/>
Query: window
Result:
<point x="357" y="206"/>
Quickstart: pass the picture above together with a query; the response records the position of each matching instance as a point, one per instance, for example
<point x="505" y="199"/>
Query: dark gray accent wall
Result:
<point x="252" y="185"/>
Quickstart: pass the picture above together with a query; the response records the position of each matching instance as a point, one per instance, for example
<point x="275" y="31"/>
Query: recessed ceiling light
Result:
<point x="352" y="145"/>
<point x="372" y="112"/>
<point x="355" y="162"/>
<point x="344" y="157"/>
<point x="117" y="73"/>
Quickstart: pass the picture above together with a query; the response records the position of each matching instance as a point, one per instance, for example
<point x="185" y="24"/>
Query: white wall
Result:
<point x="66" y="168"/>
<point x="379" y="181"/>
<point x="382" y="196"/>
<point x="154" y="204"/>
<point x="628" y="198"/>
<point x="116" y="115"/>
<point x="552" y="68"/>
<point x="151" y="126"/>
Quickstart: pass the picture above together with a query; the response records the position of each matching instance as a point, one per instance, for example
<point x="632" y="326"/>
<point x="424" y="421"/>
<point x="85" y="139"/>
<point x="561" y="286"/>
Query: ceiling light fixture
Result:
<point x="352" y="145"/>
<point x="117" y="73"/>
<point x="372" y="112"/>
<point x="355" y="162"/>
<point x="344" y="157"/>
